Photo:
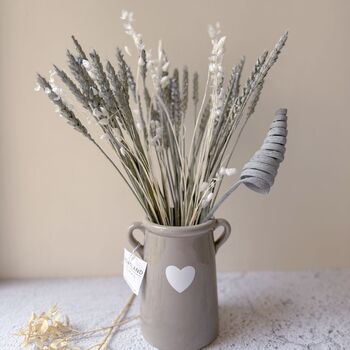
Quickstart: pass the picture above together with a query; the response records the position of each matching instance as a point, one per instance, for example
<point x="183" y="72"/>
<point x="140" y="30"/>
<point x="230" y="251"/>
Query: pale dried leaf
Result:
<point x="44" y="326"/>
<point x="103" y="121"/>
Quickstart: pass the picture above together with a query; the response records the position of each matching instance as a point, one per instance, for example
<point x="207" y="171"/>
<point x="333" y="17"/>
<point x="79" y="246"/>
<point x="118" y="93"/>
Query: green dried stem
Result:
<point x="103" y="83"/>
<point x="125" y="75"/>
<point x="195" y="93"/>
<point x="73" y="88"/>
<point x="122" y="73"/>
<point x="81" y="75"/>
<point x="175" y="102"/>
<point x="63" y="109"/>
<point x="79" y="48"/>
<point x="184" y="97"/>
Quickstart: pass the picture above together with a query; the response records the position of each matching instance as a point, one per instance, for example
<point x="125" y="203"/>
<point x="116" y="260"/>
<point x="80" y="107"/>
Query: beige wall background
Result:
<point x="63" y="211"/>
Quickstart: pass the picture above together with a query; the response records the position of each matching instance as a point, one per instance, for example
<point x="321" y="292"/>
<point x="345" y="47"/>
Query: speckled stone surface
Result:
<point x="258" y="310"/>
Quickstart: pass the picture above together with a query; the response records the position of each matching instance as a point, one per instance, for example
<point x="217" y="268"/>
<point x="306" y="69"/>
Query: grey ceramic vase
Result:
<point x="179" y="304"/>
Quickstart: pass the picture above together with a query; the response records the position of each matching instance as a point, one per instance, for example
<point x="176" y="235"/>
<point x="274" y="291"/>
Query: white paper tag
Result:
<point x="133" y="271"/>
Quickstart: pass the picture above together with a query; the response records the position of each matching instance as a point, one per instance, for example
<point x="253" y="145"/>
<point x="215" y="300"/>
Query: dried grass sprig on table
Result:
<point x="48" y="331"/>
<point x="53" y="331"/>
<point x="144" y="119"/>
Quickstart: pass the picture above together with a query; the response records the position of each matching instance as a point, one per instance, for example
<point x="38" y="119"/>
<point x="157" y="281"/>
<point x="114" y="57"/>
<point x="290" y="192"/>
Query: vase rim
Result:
<point x="179" y="231"/>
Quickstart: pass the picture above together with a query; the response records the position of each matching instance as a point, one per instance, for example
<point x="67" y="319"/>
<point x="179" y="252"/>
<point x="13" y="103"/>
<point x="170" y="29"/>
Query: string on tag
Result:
<point x="137" y="247"/>
<point x="133" y="256"/>
<point x="133" y="252"/>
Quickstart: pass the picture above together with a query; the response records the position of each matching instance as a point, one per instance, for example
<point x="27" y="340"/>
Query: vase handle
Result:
<point x="225" y="234"/>
<point x="136" y="244"/>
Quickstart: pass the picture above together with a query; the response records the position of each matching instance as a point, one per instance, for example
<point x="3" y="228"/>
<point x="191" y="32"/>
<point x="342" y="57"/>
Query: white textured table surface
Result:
<point x="260" y="310"/>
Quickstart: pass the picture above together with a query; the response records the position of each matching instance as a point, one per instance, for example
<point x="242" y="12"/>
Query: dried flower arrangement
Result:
<point x="144" y="121"/>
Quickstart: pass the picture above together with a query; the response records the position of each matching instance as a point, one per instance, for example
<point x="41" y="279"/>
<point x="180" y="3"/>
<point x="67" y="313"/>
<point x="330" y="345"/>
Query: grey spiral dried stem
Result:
<point x="260" y="172"/>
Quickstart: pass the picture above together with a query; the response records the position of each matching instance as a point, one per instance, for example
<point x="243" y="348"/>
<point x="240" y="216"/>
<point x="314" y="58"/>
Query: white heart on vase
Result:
<point x="180" y="279"/>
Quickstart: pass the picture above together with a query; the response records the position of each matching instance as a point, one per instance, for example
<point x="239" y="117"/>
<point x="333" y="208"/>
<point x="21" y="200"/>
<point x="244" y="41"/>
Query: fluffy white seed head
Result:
<point x="104" y="137"/>
<point x="227" y="171"/>
<point x="141" y="62"/>
<point x="94" y="91"/>
<point x="206" y="200"/>
<point x="104" y="111"/>
<point x="96" y="112"/>
<point x="164" y="82"/>
<point x="165" y="66"/>
<point x="127" y="50"/>
<point x="103" y="121"/>
<point x="124" y="15"/>
<point x="86" y="64"/>
<point x="203" y="186"/>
